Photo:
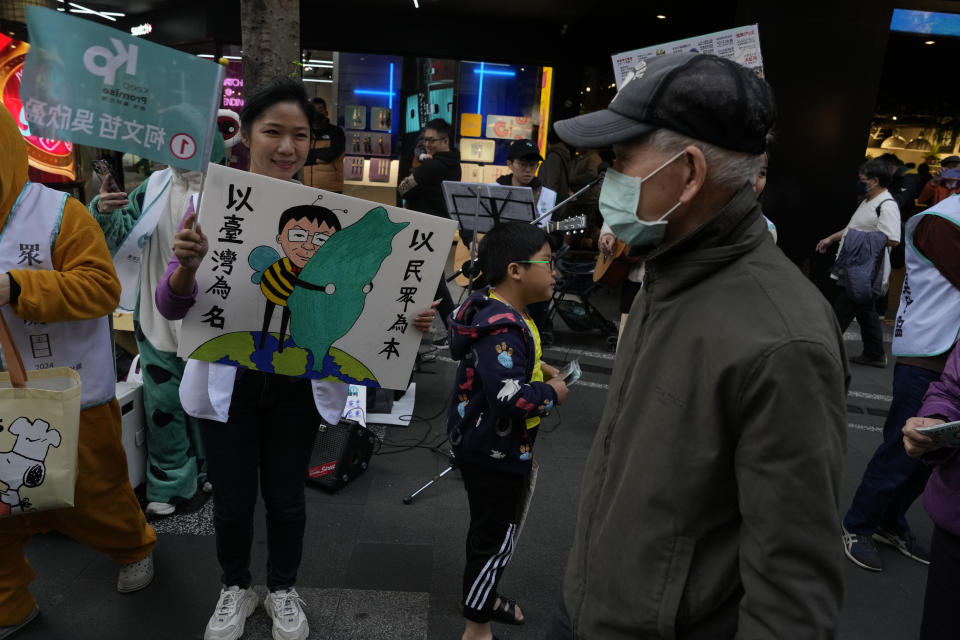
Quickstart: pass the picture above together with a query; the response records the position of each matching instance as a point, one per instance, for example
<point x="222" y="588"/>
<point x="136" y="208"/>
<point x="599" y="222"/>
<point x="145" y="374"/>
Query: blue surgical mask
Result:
<point x="619" y="197"/>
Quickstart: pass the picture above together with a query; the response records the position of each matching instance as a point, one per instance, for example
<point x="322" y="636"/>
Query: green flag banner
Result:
<point x="89" y="84"/>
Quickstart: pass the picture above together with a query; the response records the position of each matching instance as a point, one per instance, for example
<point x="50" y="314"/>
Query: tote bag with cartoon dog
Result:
<point x="39" y="434"/>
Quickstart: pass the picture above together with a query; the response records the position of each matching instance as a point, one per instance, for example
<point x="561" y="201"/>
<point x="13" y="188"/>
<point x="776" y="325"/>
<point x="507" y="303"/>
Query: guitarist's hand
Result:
<point x="607" y="243"/>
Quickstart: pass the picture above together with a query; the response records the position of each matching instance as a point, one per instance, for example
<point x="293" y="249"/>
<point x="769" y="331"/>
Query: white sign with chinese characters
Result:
<point x="741" y="45"/>
<point x="309" y="283"/>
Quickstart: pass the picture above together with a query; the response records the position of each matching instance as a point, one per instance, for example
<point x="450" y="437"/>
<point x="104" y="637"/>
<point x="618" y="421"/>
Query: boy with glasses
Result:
<point x="501" y="390"/>
<point x="523" y="160"/>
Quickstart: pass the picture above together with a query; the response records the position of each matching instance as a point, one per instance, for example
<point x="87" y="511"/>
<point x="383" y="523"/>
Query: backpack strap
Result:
<point x="884" y="202"/>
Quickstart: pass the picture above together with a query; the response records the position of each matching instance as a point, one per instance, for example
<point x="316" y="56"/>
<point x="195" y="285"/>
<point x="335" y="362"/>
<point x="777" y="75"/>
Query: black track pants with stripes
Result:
<point x="494" y="500"/>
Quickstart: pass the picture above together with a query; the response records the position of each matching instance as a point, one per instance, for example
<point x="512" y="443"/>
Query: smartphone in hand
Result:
<point x="103" y="171"/>
<point x="570" y="373"/>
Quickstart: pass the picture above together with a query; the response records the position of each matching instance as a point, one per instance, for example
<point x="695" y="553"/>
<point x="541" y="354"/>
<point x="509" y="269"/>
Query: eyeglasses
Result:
<point x="432" y="140"/>
<point x="301" y="235"/>
<point x="549" y="262"/>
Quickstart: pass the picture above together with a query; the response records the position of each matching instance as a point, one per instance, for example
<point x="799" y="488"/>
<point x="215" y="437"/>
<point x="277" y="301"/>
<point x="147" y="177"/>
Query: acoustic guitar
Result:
<point x="571" y="225"/>
<point x="612" y="269"/>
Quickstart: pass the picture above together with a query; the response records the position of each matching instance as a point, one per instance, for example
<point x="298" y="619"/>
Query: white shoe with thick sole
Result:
<point x="233" y="608"/>
<point x="285" y="607"/>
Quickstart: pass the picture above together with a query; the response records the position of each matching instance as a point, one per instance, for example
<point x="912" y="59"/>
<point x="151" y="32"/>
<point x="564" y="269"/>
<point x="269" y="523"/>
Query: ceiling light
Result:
<point x="416" y="5"/>
<point x="930" y="42"/>
<point x="894" y="117"/>
<point x="660" y="16"/>
<point x="588" y="89"/>
<point x="79" y="9"/>
<point x="318" y="80"/>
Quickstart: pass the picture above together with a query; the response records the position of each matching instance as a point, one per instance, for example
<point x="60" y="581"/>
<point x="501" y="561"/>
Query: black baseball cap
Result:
<point x="950" y="160"/>
<point x="702" y="96"/>
<point x="524" y="148"/>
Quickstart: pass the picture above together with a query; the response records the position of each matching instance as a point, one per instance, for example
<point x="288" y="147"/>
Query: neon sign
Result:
<point x="52" y="156"/>
<point x="388" y="92"/>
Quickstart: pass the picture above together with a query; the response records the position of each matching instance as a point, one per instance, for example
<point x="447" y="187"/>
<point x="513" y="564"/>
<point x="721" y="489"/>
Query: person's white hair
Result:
<point x="726" y="169"/>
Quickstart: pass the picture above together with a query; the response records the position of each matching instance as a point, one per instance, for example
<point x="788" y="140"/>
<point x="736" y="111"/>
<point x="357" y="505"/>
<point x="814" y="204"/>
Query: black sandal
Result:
<point x="506" y="612"/>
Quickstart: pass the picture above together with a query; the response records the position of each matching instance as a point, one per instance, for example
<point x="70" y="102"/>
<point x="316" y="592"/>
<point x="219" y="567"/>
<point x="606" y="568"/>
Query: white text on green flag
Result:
<point x="93" y="85"/>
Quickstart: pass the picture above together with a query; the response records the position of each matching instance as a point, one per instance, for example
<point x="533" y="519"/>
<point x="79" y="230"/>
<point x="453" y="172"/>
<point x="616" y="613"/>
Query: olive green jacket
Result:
<point x="709" y="502"/>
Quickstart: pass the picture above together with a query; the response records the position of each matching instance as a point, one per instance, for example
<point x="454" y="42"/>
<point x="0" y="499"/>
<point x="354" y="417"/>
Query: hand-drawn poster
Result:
<point x="309" y="283"/>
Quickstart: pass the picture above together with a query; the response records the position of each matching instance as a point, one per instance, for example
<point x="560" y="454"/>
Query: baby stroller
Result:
<point x="571" y="295"/>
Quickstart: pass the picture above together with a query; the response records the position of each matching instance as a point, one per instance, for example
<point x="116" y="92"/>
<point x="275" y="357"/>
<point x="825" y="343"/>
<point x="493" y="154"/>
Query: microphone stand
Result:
<point x="573" y="197"/>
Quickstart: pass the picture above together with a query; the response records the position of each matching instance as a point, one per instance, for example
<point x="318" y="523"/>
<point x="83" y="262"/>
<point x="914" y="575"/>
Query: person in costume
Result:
<point x="139" y="229"/>
<point x="67" y="289"/>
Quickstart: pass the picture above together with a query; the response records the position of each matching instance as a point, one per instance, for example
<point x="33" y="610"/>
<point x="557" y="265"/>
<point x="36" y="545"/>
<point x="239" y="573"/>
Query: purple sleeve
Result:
<point x="170" y="305"/>
<point x="943" y="396"/>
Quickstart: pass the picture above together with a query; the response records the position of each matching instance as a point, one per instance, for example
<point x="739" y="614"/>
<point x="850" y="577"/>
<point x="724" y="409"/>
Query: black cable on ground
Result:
<point x="401" y="446"/>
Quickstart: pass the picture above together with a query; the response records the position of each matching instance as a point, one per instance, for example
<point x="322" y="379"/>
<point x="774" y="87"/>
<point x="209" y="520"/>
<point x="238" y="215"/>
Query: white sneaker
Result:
<point x="286" y="609"/>
<point x="159" y="509"/>
<point x="136" y="575"/>
<point x="233" y="608"/>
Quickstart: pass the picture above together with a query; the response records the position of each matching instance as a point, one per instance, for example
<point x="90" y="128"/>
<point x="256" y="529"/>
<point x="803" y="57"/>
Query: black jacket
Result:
<point x="338" y="143"/>
<point x="427" y="196"/>
<point x="507" y="181"/>
<point x="486" y="423"/>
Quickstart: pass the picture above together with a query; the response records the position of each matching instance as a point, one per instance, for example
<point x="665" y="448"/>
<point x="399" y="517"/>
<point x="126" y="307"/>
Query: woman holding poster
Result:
<point x="256" y="424"/>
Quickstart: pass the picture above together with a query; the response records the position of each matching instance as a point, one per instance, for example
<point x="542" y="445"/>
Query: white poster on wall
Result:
<point x="741" y="45"/>
<point x="309" y="283"/>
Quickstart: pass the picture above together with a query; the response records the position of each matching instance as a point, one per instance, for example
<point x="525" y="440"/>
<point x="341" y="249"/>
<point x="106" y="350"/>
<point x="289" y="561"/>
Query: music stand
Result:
<point x="478" y="207"/>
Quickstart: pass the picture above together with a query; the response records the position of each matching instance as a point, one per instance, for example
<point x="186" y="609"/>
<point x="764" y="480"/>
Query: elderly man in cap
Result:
<point x="708" y="508"/>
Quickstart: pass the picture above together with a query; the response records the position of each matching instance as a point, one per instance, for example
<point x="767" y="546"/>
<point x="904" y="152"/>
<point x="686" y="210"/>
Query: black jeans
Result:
<point x="270" y="433"/>
<point x="892" y="480"/>
<point x="494" y="500"/>
<point x="942" y="599"/>
<point x="871" y="330"/>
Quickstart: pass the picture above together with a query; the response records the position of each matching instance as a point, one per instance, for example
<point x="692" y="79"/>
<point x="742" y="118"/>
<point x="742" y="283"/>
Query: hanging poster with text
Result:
<point x="741" y="45"/>
<point x="93" y="85"/>
<point x="509" y="127"/>
<point x="309" y="283"/>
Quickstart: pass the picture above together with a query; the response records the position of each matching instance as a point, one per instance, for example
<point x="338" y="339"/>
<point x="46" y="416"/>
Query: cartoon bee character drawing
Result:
<point x="301" y="231"/>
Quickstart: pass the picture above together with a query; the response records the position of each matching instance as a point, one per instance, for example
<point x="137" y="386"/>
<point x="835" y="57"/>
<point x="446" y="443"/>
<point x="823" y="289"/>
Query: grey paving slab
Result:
<point x="388" y="566"/>
<point x="345" y="614"/>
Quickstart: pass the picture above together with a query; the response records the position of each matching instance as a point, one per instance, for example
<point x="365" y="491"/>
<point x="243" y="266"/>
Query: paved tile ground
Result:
<point x="376" y="568"/>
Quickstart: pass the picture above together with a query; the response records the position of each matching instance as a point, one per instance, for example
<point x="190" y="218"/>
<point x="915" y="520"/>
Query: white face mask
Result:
<point x="619" y="198"/>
